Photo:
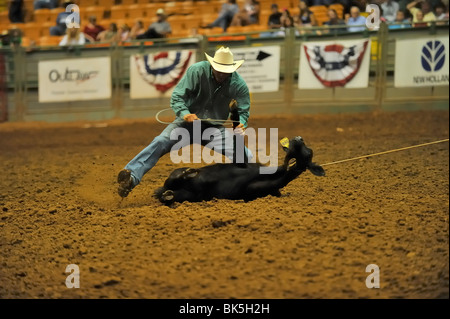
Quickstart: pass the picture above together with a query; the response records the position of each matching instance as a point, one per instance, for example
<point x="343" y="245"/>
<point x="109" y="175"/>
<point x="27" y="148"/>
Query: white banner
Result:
<point x="261" y="69"/>
<point x="156" y="75"/>
<point x="75" y="79"/>
<point x="331" y="64"/>
<point x="422" y="62"/>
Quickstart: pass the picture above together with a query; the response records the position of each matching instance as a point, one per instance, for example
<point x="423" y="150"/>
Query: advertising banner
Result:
<point x="422" y="62"/>
<point x="261" y="69"/>
<point x="75" y="79"/>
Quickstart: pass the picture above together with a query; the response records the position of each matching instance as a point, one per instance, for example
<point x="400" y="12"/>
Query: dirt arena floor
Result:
<point x="58" y="206"/>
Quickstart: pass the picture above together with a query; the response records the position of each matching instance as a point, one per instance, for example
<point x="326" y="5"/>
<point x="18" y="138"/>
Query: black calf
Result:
<point x="237" y="181"/>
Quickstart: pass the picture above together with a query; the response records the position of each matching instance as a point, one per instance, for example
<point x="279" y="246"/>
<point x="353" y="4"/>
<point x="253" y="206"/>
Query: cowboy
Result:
<point x="205" y="93"/>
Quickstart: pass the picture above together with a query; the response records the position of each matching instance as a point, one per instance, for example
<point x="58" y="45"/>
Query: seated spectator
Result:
<point x="109" y="35"/>
<point x="424" y="12"/>
<point x="355" y="20"/>
<point x="306" y="17"/>
<point x="73" y="36"/>
<point x="159" y="29"/>
<point x="92" y="29"/>
<point x="400" y="21"/>
<point x="248" y="15"/>
<point x="287" y="21"/>
<point x="226" y="15"/>
<point x="274" y="21"/>
<point x="439" y="12"/>
<point x="390" y="9"/>
<point x="333" y="18"/>
<point x="16" y="14"/>
<point x="45" y="4"/>
<point x="124" y="33"/>
<point x="137" y="29"/>
<point x="60" y="28"/>
<point x="420" y="21"/>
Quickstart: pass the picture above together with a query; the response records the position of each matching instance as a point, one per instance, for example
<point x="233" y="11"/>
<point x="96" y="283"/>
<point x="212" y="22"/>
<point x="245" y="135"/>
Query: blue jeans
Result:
<point x="221" y="142"/>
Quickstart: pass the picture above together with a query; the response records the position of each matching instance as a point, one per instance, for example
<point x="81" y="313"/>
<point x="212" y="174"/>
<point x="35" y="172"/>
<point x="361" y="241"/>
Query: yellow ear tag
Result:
<point x="285" y="142"/>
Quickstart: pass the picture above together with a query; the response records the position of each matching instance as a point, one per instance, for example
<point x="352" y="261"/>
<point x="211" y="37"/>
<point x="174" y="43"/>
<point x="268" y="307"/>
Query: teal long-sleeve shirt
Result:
<point x="199" y="93"/>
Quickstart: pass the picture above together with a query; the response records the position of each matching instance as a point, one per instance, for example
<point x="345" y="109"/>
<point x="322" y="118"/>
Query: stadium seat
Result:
<point x="284" y="4"/>
<point x="49" y="41"/>
<point x="149" y="10"/>
<point x="106" y="3"/>
<point x="315" y="9"/>
<point x="135" y="11"/>
<point x="45" y="28"/>
<point x="32" y="31"/>
<point x="4" y="17"/>
<point x="205" y="8"/>
<point x="128" y="2"/>
<point x="119" y="12"/>
<point x="42" y="16"/>
<point x="96" y="11"/>
<point x="191" y="22"/>
<point x="237" y="29"/>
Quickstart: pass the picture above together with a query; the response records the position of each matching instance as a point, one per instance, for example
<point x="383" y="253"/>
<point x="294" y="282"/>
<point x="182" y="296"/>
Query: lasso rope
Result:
<point x="386" y="152"/>
<point x="230" y="122"/>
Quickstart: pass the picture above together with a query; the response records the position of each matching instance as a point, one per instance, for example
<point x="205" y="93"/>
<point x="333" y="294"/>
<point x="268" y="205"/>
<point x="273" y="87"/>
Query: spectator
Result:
<point x="390" y="9"/>
<point x="226" y="15"/>
<point x="333" y="18"/>
<point x="248" y="15"/>
<point x="45" y="4"/>
<point x="306" y="17"/>
<point x="159" y="29"/>
<point x="420" y="22"/>
<point x="124" y="33"/>
<point x="16" y="14"/>
<point x="439" y="11"/>
<point x="137" y="29"/>
<point x="109" y="35"/>
<point x="274" y="21"/>
<point x="355" y="20"/>
<point x="61" y="26"/>
<point x="73" y="36"/>
<point x="424" y="12"/>
<point x="400" y="21"/>
<point x="92" y="29"/>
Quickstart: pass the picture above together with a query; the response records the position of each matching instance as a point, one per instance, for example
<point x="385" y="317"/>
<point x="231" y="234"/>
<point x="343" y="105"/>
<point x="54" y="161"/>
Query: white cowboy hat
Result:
<point x="223" y="61"/>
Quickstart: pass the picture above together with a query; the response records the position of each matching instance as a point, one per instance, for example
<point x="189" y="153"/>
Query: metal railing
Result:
<point x="22" y="76"/>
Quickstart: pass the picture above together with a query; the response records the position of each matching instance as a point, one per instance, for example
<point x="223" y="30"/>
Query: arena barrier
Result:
<point x="102" y="81"/>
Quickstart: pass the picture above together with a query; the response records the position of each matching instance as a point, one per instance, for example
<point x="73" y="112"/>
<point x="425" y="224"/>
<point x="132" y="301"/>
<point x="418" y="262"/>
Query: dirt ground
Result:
<point x="58" y="206"/>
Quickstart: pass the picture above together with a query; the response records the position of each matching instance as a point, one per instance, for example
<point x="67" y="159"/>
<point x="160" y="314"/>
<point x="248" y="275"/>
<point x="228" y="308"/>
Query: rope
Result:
<point x="386" y="152"/>
<point x="180" y="120"/>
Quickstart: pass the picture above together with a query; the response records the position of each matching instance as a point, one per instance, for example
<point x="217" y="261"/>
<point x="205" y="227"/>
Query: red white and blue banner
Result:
<point x="334" y="64"/>
<point x="427" y="62"/>
<point x="157" y="74"/>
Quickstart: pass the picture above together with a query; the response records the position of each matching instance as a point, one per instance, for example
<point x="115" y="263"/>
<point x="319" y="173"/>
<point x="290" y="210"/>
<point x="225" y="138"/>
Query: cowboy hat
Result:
<point x="223" y="61"/>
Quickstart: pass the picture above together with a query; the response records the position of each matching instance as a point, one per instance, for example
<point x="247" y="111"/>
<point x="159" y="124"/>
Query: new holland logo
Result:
<point x="433" y="56"/>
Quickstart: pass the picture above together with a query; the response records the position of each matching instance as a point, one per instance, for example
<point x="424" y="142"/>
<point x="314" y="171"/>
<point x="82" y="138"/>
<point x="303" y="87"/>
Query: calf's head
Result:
<point x="299" y="157"/>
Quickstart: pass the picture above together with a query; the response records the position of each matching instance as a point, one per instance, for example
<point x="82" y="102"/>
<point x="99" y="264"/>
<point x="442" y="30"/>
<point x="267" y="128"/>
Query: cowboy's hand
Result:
<point x="240" y="130"/>
<point x="190" y="118"/>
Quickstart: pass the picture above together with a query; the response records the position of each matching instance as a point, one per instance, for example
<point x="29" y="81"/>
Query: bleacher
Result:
<point x="183" y="16"/>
